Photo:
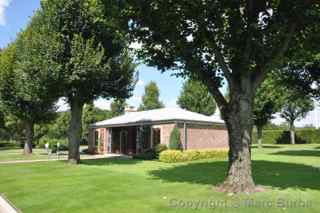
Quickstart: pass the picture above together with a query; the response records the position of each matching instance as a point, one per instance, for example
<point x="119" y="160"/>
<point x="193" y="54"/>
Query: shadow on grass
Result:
<point x="275" y="174"/>
<point x="266" y="147"/>
<point x="110" y="161"/>
<point x="313" y="153"/>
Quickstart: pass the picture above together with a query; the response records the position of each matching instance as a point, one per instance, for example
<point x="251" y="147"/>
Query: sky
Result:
<point x="14" y="16"/>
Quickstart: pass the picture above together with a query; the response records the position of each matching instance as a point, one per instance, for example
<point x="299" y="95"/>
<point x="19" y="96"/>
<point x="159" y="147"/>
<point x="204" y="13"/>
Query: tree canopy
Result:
<point x="196" y="97"/>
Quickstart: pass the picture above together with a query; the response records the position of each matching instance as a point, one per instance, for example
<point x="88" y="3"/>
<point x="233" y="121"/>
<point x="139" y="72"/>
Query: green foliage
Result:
<point x="223" y="40"/>
<point x="148" y="154"/>
<point x="92" y="114"/>
<point x="195" y="97"/>
<point x="26" y="89"/>
<point x="7" y="144"/>
<point x="296" y="107"/>
<point x="268" y="100"/>
<point x="53" y="143"/>
<point x="93" y="58"/>
<point x="118" y="107"/>
<point x="151" y="154"/>
<point x="308" y="136"/>
<point x="174" y="156"/>
<point x="59" y="128"/>
<point x="150" y="99"/>
<point x="160" y="148"/>
<point x="175" y="142"/>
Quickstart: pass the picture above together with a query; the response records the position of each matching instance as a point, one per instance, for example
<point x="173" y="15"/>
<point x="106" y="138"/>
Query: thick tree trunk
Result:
<point x="29" y="138"/>
<point x="292" y="133"/>
<point x="259" y="132"/>
<point x="75" y="131"/>
<point x="239" y="122"/>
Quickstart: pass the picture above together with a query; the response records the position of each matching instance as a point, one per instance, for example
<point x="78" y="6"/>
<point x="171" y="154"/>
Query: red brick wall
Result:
<point x="204" y="137"/>
<point x="103" y="135"/>
<point x="165" y="132"/>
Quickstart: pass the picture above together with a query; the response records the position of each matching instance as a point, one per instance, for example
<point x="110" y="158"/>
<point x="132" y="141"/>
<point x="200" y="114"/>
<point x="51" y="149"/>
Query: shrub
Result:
<point x="160" y="148"/>
<point x="148" y="154"/>
<point x="174" y="156"/>
<point x="175" y="143"/>
<point x="53" y="144"/>
<point x="4" y="144"/>
<point x="283" y="137"/>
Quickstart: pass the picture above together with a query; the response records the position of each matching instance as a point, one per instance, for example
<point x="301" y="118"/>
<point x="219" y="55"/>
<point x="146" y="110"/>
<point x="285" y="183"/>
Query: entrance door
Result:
<point x="156" y="136"/>
<point x="124" y="142"/>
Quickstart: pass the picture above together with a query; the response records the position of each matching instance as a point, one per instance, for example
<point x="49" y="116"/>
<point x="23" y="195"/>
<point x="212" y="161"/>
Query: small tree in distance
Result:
<point x="294" y="109"/>
<point x="196" y="97"/>
<point x="150" y="99"/>
<point x="118" y="107"/>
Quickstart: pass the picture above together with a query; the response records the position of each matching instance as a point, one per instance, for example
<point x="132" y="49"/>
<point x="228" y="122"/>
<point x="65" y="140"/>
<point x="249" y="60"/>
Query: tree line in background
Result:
<point x="79" y="50"/>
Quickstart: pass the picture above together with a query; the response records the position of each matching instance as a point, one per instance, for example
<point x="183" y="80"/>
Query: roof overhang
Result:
<point x="146" y="123"/>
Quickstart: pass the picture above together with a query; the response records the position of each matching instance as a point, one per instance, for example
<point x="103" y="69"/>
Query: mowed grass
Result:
<point x="290" y="174"/>
<point x="17" y="154"/>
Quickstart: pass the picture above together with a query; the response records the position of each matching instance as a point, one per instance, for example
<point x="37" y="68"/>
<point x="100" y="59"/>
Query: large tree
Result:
<point x="150" y="99"/>
<point x="196" y="97"/>
<point x="239" y="41"/>
<point x="26" y="89"/>
<point x="92" y="56"/>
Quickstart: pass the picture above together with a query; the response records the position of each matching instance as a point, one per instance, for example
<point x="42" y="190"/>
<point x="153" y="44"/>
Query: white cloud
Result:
<point x="62" y="104"/>
<point x="102" y="103"/>
<point x="140" y="83"/>
<point x="3" y="5"/>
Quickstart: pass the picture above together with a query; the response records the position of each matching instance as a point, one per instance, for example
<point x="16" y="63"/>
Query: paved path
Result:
<point x="88" y="157"/>
<point x="6" y="206"/>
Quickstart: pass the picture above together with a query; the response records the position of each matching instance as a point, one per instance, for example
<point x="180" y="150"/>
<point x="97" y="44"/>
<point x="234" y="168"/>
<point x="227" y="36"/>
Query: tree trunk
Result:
<point x="29" y="138"/>
<point x="239" y="122"/>
<point x="292" y="133"/>
<point x="259" y="131"/>
<point x="75" y="131"/>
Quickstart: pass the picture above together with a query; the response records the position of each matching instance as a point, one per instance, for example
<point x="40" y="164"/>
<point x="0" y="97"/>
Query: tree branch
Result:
<point x="214" y="90"/>
<point x="262" y="72"/>
<point x="221" y="61"/>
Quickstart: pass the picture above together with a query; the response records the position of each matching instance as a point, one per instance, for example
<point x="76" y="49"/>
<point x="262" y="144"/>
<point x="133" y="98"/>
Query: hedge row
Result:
<point x="173" y="156"/>
<point x="283" y="137"/>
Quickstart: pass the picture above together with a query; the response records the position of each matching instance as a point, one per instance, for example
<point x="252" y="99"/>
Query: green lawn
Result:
<point x="289" y="173"/>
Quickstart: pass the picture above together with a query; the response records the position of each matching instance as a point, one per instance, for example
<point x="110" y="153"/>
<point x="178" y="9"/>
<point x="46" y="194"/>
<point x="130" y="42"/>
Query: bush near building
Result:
<point x="174" y="156"/>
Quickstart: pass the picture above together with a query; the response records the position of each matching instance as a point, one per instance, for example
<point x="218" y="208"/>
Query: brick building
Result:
<point x="134" y="132"/>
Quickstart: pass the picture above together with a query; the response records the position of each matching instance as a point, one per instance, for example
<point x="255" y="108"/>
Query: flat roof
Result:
<point x="164" y="115"/>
